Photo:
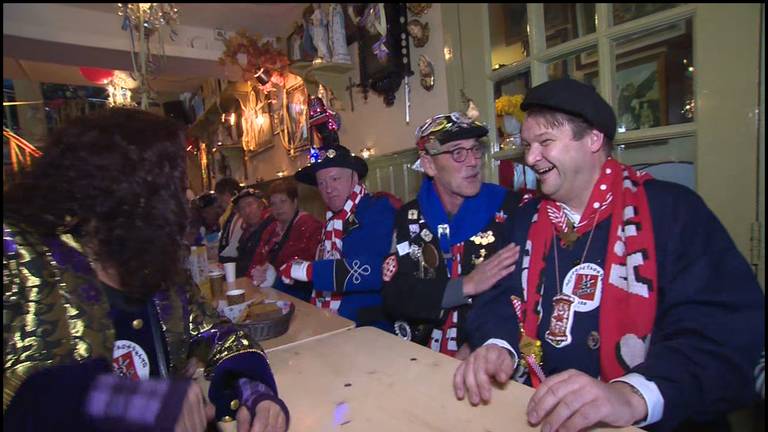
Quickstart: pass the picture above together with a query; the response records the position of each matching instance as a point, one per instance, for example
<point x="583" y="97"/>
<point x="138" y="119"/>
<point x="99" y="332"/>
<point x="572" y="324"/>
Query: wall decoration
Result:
<point x="419" y="9"/>
<point x="275" y="107"/>
<point x="426" y="73"/>
<point x="255" y="122"/>
<point x="294" y="41"/>
<point x="384" y="52"/>
<point x="419" y="32"/>
<point x="642" y="98"/>
<point x="297" y="100"/>
<point x="253" y="55"/>
<point x="337" y="34"/>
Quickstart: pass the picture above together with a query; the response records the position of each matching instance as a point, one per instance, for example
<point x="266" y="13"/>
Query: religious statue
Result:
<point x="308" y="50"/>
<point x="319" y="31"/>
<point x="338" y="36"/>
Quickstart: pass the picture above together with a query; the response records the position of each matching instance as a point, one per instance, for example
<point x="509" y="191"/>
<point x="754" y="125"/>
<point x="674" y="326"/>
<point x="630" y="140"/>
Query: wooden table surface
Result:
<point x="369" y="380"/>
<point x="308" y="322"/>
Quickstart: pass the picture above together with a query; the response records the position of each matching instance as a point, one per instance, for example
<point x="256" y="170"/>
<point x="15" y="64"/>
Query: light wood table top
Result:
<point x="308" y="322"/>
<point x="369" y="380"/>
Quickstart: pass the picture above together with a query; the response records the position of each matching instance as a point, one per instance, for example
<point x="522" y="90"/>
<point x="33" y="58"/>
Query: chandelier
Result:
<point x="143" y="21"/>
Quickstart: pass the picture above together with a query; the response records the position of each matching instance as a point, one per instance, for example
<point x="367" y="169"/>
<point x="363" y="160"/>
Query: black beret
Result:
<point x="575" y="98"/>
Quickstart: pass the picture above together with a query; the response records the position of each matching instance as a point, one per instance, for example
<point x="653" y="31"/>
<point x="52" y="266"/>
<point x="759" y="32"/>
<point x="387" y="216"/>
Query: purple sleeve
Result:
<point x="58" y="392"/>
<point x="253" y="392"/>
<point x="115" y="403"/>
<point x="88" y="397"/>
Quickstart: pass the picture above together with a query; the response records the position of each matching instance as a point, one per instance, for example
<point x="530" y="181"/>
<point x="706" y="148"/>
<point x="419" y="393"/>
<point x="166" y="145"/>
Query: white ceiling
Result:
<point x="27" y="59"/>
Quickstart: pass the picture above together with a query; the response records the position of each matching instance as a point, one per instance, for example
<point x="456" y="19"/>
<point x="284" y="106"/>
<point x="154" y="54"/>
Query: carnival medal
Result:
<point x="559" y="333"/>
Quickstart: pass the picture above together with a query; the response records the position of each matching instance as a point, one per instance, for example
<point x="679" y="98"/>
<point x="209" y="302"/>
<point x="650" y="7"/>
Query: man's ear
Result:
<point x="428" y="165"/>
<point x="355" y="177"/>
<point x="596" y="139"/>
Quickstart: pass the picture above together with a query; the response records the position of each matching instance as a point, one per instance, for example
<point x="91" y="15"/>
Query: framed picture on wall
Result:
<point x="641" y="93"/>
<point x="297" y="102"/>
<point x="275" y="105"/>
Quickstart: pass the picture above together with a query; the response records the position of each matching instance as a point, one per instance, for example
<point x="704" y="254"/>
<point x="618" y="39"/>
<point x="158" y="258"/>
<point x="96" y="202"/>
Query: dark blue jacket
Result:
<point x="710" y="320"/>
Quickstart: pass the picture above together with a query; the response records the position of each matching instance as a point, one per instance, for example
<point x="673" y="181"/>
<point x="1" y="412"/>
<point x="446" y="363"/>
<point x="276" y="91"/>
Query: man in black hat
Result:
<point x="632" y="304"/>
<point x="450" y="240"/>
<point x="251" y="206"/>
<point x="346" y="275"/>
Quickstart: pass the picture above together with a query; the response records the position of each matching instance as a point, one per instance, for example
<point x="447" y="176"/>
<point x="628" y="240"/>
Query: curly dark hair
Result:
<point x="115" y="180"/>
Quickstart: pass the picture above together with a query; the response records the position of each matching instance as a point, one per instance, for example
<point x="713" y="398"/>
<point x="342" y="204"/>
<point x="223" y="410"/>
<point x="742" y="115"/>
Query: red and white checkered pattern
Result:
<point x="332" y="243"/>
<point x="326" y="300"/>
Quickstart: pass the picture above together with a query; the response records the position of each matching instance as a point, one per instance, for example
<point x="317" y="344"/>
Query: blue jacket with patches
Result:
<point x="710" y="319"/>
<point x="357" y="275"/>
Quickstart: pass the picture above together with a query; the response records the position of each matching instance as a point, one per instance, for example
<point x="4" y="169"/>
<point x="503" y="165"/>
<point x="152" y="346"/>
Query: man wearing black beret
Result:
<point x="632" y="304"/>
<point x="450" y="242"/>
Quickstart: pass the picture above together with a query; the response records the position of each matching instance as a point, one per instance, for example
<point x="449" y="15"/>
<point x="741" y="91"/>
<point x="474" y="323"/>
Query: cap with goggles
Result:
<point x="446" y="128"/>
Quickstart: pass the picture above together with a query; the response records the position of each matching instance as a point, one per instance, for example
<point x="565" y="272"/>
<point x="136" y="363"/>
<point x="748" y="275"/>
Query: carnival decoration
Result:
<point x="17" y="145"/>
<point x="142" y="21"/>
<point x="258" y="60"/>
<point x="97" y="75"/>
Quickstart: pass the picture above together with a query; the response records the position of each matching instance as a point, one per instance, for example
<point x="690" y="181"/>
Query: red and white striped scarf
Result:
<point x="628" y="304"/>
<point x="332" y="244"/>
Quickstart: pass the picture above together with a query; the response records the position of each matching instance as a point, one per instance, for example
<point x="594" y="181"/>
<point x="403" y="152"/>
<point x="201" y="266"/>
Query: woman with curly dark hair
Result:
<point x="95" y="289"/>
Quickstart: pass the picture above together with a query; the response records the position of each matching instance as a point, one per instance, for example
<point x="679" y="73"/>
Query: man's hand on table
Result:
<point x="474" y="374"/>
<point x="269" y="418"/>
<point x="572" y="401"/>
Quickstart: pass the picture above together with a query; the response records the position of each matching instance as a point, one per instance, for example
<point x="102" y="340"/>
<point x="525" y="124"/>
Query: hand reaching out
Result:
<point x="488" y="272"/>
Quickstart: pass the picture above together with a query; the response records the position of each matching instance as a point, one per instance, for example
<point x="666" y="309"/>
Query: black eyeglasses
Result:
<point x="459" y="154"/>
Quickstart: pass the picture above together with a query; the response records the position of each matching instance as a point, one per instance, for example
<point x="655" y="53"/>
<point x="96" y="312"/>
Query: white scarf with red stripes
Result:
<point x="332" y="246"/>
<point x="334" y="228"/>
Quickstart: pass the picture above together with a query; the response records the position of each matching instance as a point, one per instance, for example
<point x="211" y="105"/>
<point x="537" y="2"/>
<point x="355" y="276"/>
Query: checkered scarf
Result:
<point x="335" y="226"/>
<point x="628" y="304"/>
<point x="332" y="245"/>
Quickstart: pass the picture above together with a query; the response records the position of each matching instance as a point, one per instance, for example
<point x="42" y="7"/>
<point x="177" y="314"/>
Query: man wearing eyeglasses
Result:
<point x="450" y="242"/>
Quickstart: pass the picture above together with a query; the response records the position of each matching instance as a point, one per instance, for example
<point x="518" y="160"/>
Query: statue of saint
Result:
<point x="319" y="31"/>
<point x="338" y="36"/>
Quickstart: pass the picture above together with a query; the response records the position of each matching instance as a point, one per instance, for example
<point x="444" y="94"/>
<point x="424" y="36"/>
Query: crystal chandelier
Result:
<point x="143" y="21"/>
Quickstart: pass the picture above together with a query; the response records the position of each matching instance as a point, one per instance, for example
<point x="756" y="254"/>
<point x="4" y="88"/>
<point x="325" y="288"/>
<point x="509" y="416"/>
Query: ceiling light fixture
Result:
<point x="142" y="21"/>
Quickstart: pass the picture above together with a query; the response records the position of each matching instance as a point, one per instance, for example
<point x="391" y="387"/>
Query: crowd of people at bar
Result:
<point x="620" y="298"/>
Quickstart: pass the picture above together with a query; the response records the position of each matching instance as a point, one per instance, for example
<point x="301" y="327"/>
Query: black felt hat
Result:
<point x="575" y="98"/>
<point x="248" y="192"/>
<point x="329" y="157"/>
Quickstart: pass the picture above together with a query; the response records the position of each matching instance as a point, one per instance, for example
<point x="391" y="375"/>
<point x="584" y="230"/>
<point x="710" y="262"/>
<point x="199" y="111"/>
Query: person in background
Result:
<point x="632" y="304"/>
<point x="102" y="325"/>
<point x="346" y="273"/>
<point x="230" y="221"/>
<point x="450" y="242"/>
<point x="293" y="234"/>
<point x="252" y="208"/>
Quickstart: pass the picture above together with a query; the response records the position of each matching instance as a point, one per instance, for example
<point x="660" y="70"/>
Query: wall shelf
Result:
<point x="225" y="102"/>
<point x="334" y="76"/>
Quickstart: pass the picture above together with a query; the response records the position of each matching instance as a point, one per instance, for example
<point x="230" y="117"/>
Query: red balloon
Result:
<point x="97" y="75"/>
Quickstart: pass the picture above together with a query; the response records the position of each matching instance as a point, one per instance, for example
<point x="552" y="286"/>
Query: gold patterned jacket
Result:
<point x="55" y="311"/>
